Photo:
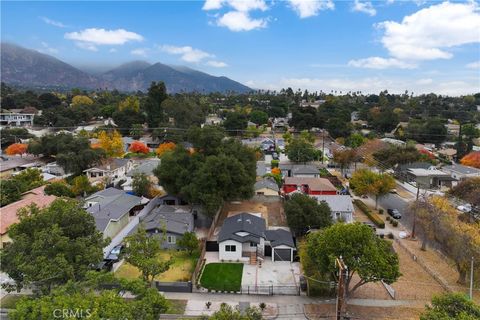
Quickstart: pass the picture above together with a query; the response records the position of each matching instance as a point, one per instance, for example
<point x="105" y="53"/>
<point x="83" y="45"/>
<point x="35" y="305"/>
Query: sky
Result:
<point x="368" y="46"/>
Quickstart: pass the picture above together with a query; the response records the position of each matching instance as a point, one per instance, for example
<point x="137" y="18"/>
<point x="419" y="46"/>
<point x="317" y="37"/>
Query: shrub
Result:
<point x="395" y="223"/>
<point x="380" y="211"/>
<point x="371" y="215"/>
<point x="390" y="236"/>
<point x="274" y="163"/>
<point x="59" y="189"/>
<point x="388" y="218"/>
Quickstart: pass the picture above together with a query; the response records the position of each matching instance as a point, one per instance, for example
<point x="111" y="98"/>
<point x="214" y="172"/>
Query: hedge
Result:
<point x="371" y="215"/>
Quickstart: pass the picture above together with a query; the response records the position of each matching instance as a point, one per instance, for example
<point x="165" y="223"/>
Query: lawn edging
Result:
<point x="375" y="218"/>
<point x="222" y="277"/>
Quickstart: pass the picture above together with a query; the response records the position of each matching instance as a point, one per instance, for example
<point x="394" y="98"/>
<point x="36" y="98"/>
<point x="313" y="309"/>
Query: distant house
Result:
<point x="280" y="124"/>
<point x="299" y="170"/>
<point x="453" y="129"/>
<point x="18" y="118"/>
<point x="168" y="223"/>
<point x="461" y="172"/>
<point x="430" y="178"/>
<point x="266" y="187"/>
<point x="341" y="206"/>
<point x="11" y="165"/>
<point x="9" y="212"/>
<point x="212" y="120"/>
<point x="109" y="171"/>
<point x="244" y="237"/>
<point x="111" y="209"/>
<point x="448" y="154"/>
<point x="144" y="166"/>
<point x="310" y="186"/>
<point x="151" y="142"/>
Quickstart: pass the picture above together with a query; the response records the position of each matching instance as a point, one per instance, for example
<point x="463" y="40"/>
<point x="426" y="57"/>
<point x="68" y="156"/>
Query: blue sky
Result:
<point x="421" y="46"/>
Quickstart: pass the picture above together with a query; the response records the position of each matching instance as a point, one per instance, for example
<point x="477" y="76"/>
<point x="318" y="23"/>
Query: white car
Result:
<point x="465" y="208"/>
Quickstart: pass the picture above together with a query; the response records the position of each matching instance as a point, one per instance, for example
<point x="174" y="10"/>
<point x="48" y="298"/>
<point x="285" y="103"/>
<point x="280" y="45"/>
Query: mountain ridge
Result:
<point x="27" y="67"/>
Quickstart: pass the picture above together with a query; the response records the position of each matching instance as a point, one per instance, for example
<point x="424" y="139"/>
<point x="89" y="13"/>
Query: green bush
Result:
<point x="274" y="163"/>
<point x="371" y="215"/>
<point x="390" y="236"/>
<point x="388" y="218"/>
<point x="395" y="223"/>
<point x="380" y="211"/>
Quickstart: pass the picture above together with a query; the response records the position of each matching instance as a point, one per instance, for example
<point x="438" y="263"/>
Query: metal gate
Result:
<point x="282" y="255"/>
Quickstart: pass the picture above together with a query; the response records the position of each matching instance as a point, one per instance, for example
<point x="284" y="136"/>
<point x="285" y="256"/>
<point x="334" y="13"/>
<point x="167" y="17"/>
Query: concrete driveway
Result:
<point x="271" y="273"/>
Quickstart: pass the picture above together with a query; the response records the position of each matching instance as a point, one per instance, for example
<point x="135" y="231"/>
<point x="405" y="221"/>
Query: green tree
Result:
<point x="142" y="251"/>
<point x="226" y="312"/>
<point x="345" y="158"/>
<point x="12" y="189"/>
<point x="125" y="119"/>
<point x="89" y="299"/>
<point x="300" y="150"/>
<point x="395" y="155"/>
<point x="258" y="117"/>
<point x="305" y="213"/>
<point x="235" y="122"/>
<point x="432" y="130"/>
<point x="136" y="131"/>
<point x="365" y="255"/>
<point x="185" y="111"/>
<point x="141" y="185"/>
<point x="9" y="192"/>
<point x="451" y="306"/>
<point x="368" y="182"/>
<point x="157" y="93"/>
<point x="81" y="186"/>
<point x="189" y="242"/>
<point x="130" y="102"/>
<point x="52" y="245"/>
<point x="354" y="140"/>
<point x="13" y="135"/>
<point x="59" y="189"/>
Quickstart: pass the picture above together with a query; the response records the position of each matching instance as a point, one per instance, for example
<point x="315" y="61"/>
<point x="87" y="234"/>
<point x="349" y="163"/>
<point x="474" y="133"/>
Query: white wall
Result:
<point x="228" y="255"/>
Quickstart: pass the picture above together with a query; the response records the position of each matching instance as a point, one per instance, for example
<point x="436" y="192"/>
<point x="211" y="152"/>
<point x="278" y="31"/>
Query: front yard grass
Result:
<point x="177" y="306"/>
<point x="222" y="276"/>
<point x="9" y="301"/>
<point x="181" y="269"/>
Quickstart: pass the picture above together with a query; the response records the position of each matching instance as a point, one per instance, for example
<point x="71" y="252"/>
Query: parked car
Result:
<point x="117" y="250"/>
<point x="465" y="208"/>
<point x="394" y="213"/>
<point x="394" y="191"/>
<point x="275" y="156"/>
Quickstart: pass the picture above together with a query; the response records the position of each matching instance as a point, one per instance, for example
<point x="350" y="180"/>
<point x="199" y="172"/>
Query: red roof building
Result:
<point x="307" y="185"/>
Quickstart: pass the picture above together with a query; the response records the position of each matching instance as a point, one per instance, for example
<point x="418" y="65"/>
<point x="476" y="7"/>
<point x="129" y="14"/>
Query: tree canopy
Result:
<point x="366" y="255"/>
<point x="305" y="213"/>
<point x="365" y="182"/>
<point x="52" y="245"/>
<point x="300" y="150"/>
<point x="451" y="306"/>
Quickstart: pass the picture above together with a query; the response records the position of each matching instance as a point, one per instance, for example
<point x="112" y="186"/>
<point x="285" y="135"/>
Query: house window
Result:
<point x="230" y="248"/>
<point x="171" y="239"/>
<point x="253" y="244"/>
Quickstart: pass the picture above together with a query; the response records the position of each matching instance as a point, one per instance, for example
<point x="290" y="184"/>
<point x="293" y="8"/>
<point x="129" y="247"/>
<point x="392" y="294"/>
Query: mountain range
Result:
<point x="30" y="68"/>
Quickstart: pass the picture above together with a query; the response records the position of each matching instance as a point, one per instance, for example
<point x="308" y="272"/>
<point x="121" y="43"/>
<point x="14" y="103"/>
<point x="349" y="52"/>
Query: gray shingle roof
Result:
<point x="111" y="204"/>
<point x="243" y="222"/>
<point x="462" y="169"/>
<point x="279" y="237"/>
<point x="175" y="219"/>
<point x="304" y="169"/>
<point x="145" y="167"/>
<point x="266" y="183"/>
<point x="261" y="169"/>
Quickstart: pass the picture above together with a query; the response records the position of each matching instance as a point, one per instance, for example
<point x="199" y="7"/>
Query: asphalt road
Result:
<point x="393" y="201"/>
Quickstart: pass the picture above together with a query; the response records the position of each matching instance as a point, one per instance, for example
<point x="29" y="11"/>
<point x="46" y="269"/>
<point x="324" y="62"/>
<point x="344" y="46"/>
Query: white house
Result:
<point x="244" y="237"/>
<point x="17" y="119"/>
<point x="341" y="206"/>
<point x="110" y="171"/>
<point x="461" y="172"/>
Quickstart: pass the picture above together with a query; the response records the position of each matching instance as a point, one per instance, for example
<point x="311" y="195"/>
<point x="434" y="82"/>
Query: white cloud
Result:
<point x="187" y="53"/>
<point x="47" y="49"/>
<point x="427" y="33"/>
<point x="53" y="22"/>
<point x="424" y="81"/>
<point x="112" y="50"/>
<point x="89" y="38"/>
<point x="142" y="52"/>
<point x="240" y="21"/>
<point x="216" y="64"/>
<point x="310" y="8"/>
<point x="473" y="65"/>
<point x="238" y="5"/>
<point x="380" y="63"/>
<point x="365" y="7"/>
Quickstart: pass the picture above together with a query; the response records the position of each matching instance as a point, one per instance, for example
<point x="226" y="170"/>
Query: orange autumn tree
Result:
<point x="16" y="148"/>
<point x="138" y="147"/>
<point x="164" y="147"/>
<point x="276" y="171"/>
<point x="472" y="159"/>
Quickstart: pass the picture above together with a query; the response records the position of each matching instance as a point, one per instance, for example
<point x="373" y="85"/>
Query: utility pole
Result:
<point x="471" y="279"/>
<point x="415" y="214"/>
<point x="342" y="279"/>
<point x="323" y="145"/>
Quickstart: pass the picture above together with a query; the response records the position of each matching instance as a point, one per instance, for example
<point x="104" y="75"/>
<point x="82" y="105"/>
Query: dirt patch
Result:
<point x="272" y="212"/>
<point x="327" y="311"/>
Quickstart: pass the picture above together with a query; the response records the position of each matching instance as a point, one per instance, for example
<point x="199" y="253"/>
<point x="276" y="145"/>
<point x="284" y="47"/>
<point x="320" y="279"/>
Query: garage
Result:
<point x="282" y="254"/>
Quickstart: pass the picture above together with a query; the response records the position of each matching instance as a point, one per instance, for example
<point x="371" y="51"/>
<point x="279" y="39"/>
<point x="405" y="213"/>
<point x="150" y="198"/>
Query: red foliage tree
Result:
<point x="138" y="147"/>
<point x="16" y="148"/>
<point x="472" y="159"/>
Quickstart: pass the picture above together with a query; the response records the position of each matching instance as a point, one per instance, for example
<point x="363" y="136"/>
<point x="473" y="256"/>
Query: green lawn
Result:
<point x="176" y="306"/>
<point x="181" y="269"/>
<point x="222" y="276"/>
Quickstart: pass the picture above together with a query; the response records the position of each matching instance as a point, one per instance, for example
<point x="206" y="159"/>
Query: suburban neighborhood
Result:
<point x="156" y="191"/>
